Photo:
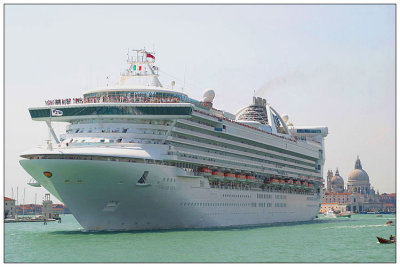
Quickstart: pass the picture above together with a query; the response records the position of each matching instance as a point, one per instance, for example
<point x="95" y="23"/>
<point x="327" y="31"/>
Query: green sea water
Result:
<point x="323" y="240"/>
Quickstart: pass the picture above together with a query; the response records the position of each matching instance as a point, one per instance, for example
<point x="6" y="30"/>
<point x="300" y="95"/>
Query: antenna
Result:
<point x="35" y="202"/>
<point x="107" y="78"/>
<point x="23" y="203"/>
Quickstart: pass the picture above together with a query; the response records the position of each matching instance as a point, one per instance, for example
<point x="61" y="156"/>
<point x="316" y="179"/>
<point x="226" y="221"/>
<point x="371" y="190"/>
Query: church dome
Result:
<point x="337" y="179"/>
<point x="358" y="176"/>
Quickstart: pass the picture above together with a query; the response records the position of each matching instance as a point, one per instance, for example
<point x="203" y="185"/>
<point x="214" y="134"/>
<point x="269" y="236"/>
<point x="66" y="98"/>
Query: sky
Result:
<point x="322" y="65"/>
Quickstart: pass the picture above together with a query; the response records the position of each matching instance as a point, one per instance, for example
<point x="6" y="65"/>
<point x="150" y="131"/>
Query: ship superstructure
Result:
<point x="138" y="155"/>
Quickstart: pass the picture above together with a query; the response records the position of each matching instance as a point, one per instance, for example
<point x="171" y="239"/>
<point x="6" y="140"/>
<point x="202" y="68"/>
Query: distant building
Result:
<point x="358" y="196"/>
<point x="29" y="209"/>
<point x="36" y="209"/>
<point x="389" y="201"/>
<point x="9" y="207"/>
<point x="47" y="208"/>
<point x="335" y="183"/>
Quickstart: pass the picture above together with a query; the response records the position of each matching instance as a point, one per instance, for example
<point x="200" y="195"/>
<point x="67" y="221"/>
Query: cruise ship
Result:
<point x="141" y="156"/>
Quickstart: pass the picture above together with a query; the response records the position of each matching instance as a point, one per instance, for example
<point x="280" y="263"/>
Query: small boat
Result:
<point x="386" y="241"/>
<point x="250" y="179"/>
<point x="240" y="177"/>
<point x="330" y="214"/>
<point x="217" y="175"/>
<point x="389" y="223"/>
<point x="344" y="214"/>
<point x="229" y="176"/>
<point x="274" y="181"/>
<point x="34" y="183"/>
<point x="379" y="215"/>
<point x="204" y="171"/>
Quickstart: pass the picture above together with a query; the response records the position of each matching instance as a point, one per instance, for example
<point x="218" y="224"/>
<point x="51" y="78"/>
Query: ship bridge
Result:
<point x="138" y="83"/>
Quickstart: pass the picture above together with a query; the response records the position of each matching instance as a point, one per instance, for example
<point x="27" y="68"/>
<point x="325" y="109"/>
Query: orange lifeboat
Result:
<point x="240" y="177"/>
<point x="229" y="176"/>
<point x="250" y="179"/>
<point x="204" y="171"/>
<point x="217" y="175"/>
<point x="274" y="181"/>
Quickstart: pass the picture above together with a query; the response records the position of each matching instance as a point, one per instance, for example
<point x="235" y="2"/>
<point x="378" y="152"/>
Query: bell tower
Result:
<point x="328" y="181"/>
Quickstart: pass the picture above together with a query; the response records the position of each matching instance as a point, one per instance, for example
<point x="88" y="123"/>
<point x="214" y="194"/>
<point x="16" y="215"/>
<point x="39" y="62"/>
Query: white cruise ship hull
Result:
<point x="105" y="195"/>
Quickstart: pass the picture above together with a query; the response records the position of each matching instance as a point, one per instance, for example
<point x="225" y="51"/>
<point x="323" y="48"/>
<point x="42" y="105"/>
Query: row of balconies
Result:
<point x="214" y="139"/>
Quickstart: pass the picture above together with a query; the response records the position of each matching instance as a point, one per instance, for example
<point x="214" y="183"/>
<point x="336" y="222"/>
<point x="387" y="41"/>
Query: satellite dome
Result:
<point x="285" y="118"/>
<point x="208" y="95"/>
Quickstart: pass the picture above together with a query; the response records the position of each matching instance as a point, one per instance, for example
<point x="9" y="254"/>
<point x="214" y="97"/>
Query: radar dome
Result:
<point x="285" y="118"/>
<point x="208" y="95"/>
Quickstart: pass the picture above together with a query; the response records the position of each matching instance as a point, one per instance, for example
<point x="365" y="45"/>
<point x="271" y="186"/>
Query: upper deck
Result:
<point x="140" y="95"/>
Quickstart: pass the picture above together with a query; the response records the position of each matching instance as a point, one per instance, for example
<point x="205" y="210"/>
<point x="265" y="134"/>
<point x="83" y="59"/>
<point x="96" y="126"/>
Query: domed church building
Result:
<point x="359" y="196"/>
<point x="358" y="180"/>
<point x="335" y="183"/>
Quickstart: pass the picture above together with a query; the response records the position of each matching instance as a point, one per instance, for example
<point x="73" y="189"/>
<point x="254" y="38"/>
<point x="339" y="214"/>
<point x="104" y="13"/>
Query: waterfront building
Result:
<point x="358" y="196"/>
<point x="47" y="208"/>
<point x="9" y="207"/>
<point x="35" y="209"/>
<point x="389" y="201"/>
<point x="28" y="209"/>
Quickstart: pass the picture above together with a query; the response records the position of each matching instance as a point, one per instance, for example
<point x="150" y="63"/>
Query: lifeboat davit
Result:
<point x="204" y="171"/>
<point x="240" y="177"/>
<point x="217" y="175"/>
